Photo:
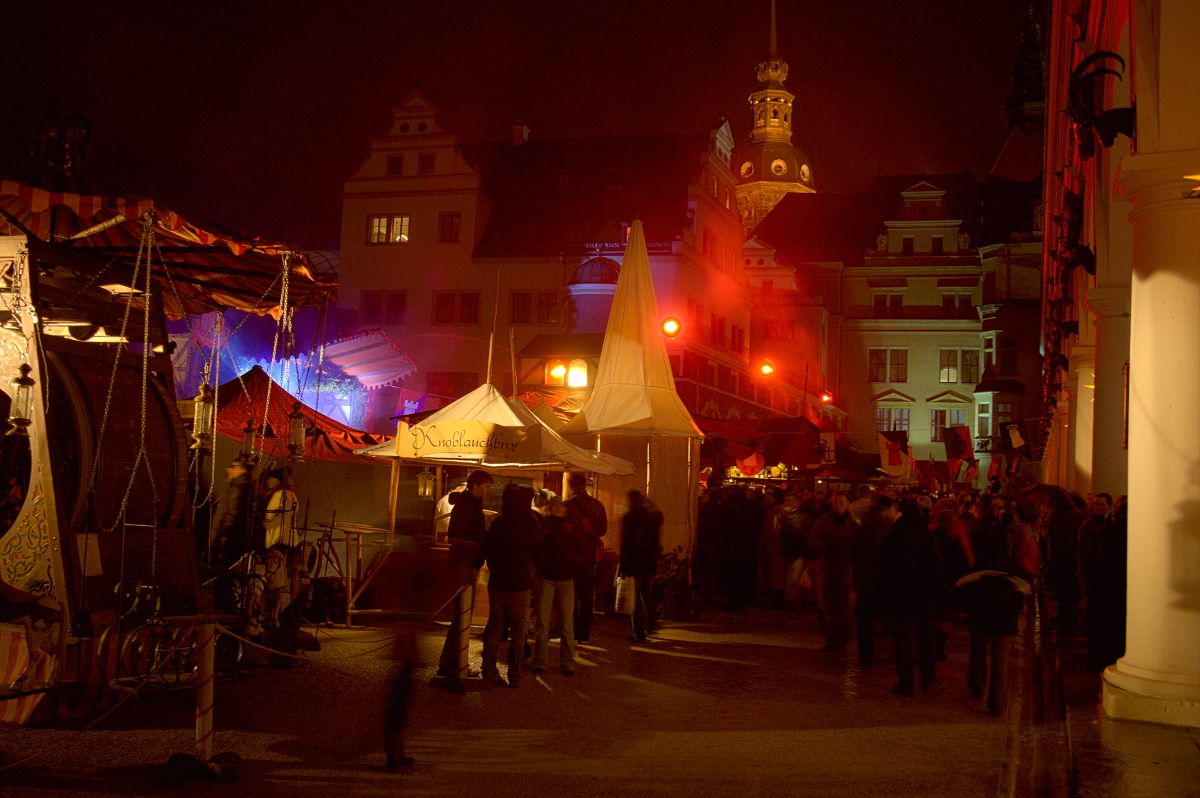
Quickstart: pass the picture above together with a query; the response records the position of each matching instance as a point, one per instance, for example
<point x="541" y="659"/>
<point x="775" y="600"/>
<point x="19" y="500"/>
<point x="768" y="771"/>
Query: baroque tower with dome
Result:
<point x="769" y="166"/>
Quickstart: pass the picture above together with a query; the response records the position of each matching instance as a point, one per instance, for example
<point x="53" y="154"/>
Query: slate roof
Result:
<point x="842" y="227"/>
<point x="561" y="196"/>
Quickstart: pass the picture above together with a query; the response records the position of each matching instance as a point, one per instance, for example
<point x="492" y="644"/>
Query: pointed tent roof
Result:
<point x="487" y="405"/>
<point x="245" y="398"/>
<point x="634" y="393"/>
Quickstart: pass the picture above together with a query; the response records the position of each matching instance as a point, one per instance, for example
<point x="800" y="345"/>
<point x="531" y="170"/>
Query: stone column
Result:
<point x="1110" y="461"/>
<point x="1083" y="382"/>
<point x="1158" y="679"/>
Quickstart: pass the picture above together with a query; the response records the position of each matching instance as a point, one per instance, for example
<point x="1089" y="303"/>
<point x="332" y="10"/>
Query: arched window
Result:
<point x="577" y="373"/>
<point x="556" y="372"/>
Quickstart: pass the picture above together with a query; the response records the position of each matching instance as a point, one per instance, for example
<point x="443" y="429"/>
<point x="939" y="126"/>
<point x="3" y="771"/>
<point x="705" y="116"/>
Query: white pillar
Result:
<point x="1082" y="388"/>
<point x="1110" y="460"/>
<point x="1158" y="679"/>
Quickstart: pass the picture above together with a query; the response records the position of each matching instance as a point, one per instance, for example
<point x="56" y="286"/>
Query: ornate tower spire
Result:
<point x="769" y="166"/>
<point x="773" y="52"/>
<point x="771" y="105"/>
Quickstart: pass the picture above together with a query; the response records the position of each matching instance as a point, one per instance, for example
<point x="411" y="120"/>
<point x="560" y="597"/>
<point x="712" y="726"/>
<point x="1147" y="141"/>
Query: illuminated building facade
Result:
<point x="433" y="228"/>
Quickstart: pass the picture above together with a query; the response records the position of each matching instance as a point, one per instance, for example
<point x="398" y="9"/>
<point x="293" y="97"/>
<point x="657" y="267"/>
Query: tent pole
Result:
<point x="512" y="350"/>
<point x="393" y="496"/>
<point x="649" y="443"/>
<point x="492" y="337"/>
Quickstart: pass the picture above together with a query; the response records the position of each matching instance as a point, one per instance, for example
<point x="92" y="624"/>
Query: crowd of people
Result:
<point x="911" y="562"/>
<point x="541" y="553"/>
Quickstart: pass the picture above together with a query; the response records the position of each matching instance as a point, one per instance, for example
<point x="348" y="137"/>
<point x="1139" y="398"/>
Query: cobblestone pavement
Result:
<point x="739" y="704"/>
<point x="1122" y="758"/>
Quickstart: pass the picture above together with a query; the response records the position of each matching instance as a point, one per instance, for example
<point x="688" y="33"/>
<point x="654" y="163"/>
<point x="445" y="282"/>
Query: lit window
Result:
<point x="891" y="419"/>
<point x="577" y="374"/>
<point x="556" y="372"/>
<point x="392" y="229"/>
<point x="947" y="367"/>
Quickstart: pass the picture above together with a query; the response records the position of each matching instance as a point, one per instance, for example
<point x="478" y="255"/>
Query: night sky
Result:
<point x="252" y="114"/>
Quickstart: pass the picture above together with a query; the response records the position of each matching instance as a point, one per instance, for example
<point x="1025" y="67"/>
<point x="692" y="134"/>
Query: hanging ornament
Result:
<point x="202" y="419"/>
<point x="248" y="435"/>
<point x="296" y="433"/>
<point x="20" y="412"/>
<point x="425" y="482"/>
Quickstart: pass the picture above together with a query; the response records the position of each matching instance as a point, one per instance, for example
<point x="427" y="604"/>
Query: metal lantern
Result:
<point x="202" y="419"/>
<point x="425" y="482"/>
<point x="20" y="412"/>
<point x="247" y="453"/>
<point x="296" y="433"/>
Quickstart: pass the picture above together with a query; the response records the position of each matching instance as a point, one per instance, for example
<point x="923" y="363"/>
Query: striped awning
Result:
<point x="371" y="357"/>
<point x="200" y="266"/>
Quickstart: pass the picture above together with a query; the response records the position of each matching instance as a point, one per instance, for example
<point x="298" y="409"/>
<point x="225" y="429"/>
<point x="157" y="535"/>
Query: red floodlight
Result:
<point x="767" y="368"/>
<point x="671" y="326"/>
<point x="826" y="397"/>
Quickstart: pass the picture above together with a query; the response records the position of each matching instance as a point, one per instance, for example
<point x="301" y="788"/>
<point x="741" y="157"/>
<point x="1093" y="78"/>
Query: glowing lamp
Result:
<point x="558" y="371"/>
<point x="826" y="397"/>
<point x="577" y="374"/>
<point x="20" y="412"/>
<point x="202" y="419"/>
<point x="766" y="369"/>
<point x="248" y="434"/>
<point x="425" y="482"/>
<point x="296" y="433"/>
<point x="671" y="326"/>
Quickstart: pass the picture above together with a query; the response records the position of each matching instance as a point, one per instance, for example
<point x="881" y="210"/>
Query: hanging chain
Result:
<point x="280" y="328"/>
<point x="143" y="259"/>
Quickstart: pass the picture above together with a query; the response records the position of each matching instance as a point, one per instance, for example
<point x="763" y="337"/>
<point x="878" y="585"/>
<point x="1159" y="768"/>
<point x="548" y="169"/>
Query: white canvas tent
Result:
<point x="486" y="430"/>
<point x="634" y="410"/>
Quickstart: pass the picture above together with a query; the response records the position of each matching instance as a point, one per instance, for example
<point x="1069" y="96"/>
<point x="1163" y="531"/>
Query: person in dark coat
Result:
<point x="1062" y="522"/>
<point x="641" y="544"/>
<point x="1005" y="558"/>
<point x="739" y="548"/>
<point x="1107" y="593"/>
<point x="556" y="563"/>
<point x="238" y="528"/>
<point x="707" y="570"/>
<point x="909" y="582"/>
<point x="466" y="531"/>
<point x="832" y="546"/>
<point x="588" y="517"/>
<point x="508" y="549"/>
<point x="868" y="537"/>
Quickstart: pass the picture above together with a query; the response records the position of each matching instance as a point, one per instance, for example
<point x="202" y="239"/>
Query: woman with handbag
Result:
<point x="641" y="544"/>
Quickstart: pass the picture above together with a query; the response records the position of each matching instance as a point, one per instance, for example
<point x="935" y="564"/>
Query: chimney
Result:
<point x="520" y="133"/>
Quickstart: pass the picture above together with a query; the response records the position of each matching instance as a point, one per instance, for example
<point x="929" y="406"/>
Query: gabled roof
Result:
<point x="950" y="397"/>
<point x="555" y="196"/>
<point x="841" y="227"/>
<point x="892" y="395"/>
